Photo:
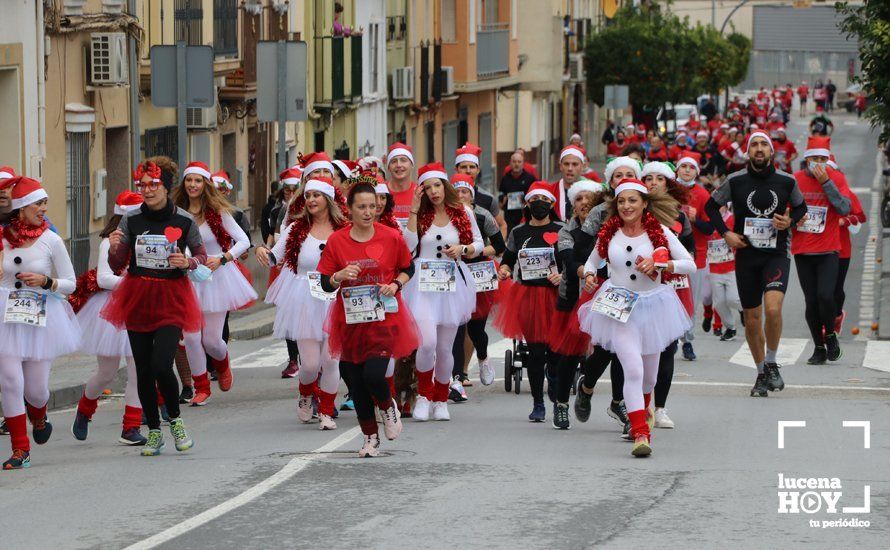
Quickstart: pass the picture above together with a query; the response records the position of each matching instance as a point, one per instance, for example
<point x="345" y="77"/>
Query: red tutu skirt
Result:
<point x="566" y="336"/>
<point x="685" y="296"/>
<point x="145" y="304"/>
<point x="485" y="301"/>
<point x="274" y="272"/>
<point x="396" y="336"/>
<point x="247" y="275"/>
<point x="527" y="313"/>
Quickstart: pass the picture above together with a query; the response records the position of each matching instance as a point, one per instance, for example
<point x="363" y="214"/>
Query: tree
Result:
<point x="870" y="23"/>
<point x="742" y="55"/>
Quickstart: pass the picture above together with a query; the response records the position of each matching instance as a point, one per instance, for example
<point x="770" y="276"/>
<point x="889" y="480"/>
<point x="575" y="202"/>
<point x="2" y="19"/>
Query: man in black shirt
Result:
<point x="514" y="185"/>
<point x="766" y="204"/>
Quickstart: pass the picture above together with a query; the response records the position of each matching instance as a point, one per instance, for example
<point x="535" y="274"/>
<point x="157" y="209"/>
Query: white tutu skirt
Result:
<point x="442" y="308"/>
<point x="99" y="336"/>
<point x="226" y="290"/>
<point x="298" y="315"/>
<point x="657" y="320"/>
<point x="60" y="336"/>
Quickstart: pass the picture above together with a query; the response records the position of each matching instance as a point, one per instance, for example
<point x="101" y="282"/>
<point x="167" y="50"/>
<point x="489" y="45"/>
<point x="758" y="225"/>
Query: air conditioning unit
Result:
<point x="108" y="58"/>
<point x="576" y="66"/>
<point x="200" y="118"/>
<point x="447" y="79"/>
<point x="403" y="83"/>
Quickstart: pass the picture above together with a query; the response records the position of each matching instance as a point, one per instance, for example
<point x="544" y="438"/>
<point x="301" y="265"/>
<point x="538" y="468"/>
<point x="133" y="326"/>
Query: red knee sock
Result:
<point x="18" y="432"/>
<point x="709" y="312"/>
<point x="220" y="365"/>
<point x="718" y="322"/>
<point x="37" y="415"/>
<point x="310" y="390"/>
<point x="391" y="380"/>
<point x="647" y="398"/>
<point x="201" y="382"/>
<point x="326" y="403"/>
<point x="440" y="391"/>
<point x="425" y="384"/>
<point x="369" y="426"/>
<point x="87" y="406"/>
<point x="638" y="424"/>
<point x="132" y="417"/>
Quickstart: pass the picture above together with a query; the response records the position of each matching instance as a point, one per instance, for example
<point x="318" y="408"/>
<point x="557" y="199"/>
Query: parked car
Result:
<point x="670" y="117"/>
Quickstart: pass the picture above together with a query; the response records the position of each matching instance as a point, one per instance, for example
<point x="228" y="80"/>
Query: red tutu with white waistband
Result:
<point x="527" y="313"/>
<point x="145" y="304"/>
<point x="396" y="336"/>
<point x="566" y="336"/>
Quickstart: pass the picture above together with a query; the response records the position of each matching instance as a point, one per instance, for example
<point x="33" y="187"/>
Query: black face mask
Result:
<point x="539" y="209"/>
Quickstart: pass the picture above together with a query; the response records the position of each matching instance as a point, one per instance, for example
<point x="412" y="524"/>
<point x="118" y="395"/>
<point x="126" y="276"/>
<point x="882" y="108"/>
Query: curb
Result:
<point x="61" y="398"/>
<point x="252" y="326"/>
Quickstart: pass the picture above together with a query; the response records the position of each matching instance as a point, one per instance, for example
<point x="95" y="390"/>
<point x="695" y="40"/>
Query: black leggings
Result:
<point x="367" y="383"/>
<point x="594" y="367"/>
<point x="537" y="361"/>
<point x="843" y="266"/>
<point x="153" y="353"/>
<point x="818" y="279"/>
<point x="293" y="353"/>
<point x="665" y="374"/>
<point x="565" y="376"/>
<point x="476" y="329"/>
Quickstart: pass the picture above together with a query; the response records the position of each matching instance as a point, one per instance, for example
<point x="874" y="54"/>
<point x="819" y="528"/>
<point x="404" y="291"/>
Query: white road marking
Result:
<point x="292" y="468"/>
<point x="861" y="190"/>
<point x="877" y="355"/>
<point x="850" y="123"/>
<point x="788" y="353"/>
<point x="273" y="355"/>
<point x="866" y="298"/>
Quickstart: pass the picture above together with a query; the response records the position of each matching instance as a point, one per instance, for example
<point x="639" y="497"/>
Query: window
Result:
<point x="225" y="28"/>
<point x="78" y="172"/>
<point x="161" y="141"/>
<point x="396" y="28"/>
<point x="187" y="18"/>
<point x="449" y="20"/>
<point x="489" y="11"/>
<point x="374" y="49"/>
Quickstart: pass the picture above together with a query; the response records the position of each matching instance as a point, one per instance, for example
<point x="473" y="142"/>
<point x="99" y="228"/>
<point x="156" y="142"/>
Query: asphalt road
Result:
<point x="257" y="478"/>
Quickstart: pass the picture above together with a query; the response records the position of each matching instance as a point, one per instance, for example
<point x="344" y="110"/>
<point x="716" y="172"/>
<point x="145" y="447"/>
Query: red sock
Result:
<point x="718" y="322"/>
<point x="391" y="380"/>
<point x="440" y="391"/>
<point x="425" y="384"/>
<point x="87" y="406"/>
<point x="18" y="432"/>
<point x="132" y="417"/>
<point x="201" y="382"/>
<point x="369" y="426"/>
<point x="638" y="424"/>
<point x="37" y="415"/>
<point x="647" y="398"/>
<point x="220" y="365"/>
<point x="326" y="403"/>
<point x="709" y="312"/>
<point x="310" y="390"/>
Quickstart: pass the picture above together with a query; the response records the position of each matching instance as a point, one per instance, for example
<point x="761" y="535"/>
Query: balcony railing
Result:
<point x="338" y="69"/>
<point x="492" y="50"/>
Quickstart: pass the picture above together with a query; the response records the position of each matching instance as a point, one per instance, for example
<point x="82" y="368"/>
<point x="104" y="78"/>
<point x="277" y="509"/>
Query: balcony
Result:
<point x="493" y="50"/>
<point x="334" y="84"/>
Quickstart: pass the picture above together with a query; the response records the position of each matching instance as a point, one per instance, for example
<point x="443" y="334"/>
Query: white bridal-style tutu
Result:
<point x="99" y="336"/>
<point x="226" y="290"/>
<point x="442" y="308"/>
<point x="61" y="335"/>
<point x="299" y="315"/>
<point x="658" y="319"/>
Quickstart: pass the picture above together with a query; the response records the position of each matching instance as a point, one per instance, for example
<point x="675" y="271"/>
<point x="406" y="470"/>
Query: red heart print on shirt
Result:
<point x="374" y="251"/>
<point x="551" y="237"/>
<point x="173" y="234"/>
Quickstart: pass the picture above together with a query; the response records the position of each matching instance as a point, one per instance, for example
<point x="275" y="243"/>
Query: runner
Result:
<point x="571" y="164"/>
<point x="400" y="167"/>
<point x="155" y="302"/>
<point x="721" y="273"/>
<point x="103" y="340"/>
<point x="368" y="323"/>
<point x="441" y="231"/>
<point x="466" y="161"/>
<point x="766" y="204"/>
<point x="37" y="325"/>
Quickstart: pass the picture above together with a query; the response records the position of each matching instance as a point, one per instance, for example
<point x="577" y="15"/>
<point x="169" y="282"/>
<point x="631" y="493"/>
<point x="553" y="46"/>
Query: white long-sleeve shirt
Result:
<point x="623" y="254"/>
<point x="105" y="276"/>
<point x="46" y="256"/>
<point x="310" y="251"/>
<point x="240" y="241"/>
<point x="437" y="238"/>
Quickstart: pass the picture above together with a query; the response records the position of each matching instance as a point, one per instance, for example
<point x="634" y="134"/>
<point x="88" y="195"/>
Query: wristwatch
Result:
<point x="223" y="260"/>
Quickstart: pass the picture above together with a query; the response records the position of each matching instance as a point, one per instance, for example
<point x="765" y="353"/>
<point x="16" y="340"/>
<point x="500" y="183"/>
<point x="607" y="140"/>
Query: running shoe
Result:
<point x="392" y="422"/>
<point x="642" y="447"/>
<point x="291" y="369"/>
<point x="325" y="422"/>
<point x="81" y="427"/>
<point x="456" y="392"/>
<point x="582" y="403"/>
<point x="760" y="388"/>
<point x="132" y="437"/>
<point x="186" y="395"/>
<point x="19" y="459"/>
<point x="561" y="416"/>
<point x="347" y="405"/>
<point x="839" y="322"/>
<point x="4" y="430"/>
<point x="773" y="379"/>
<point x="155" y="443"/>
<point x="729" y="335"/>
<point x="618" y="411"/>
<point x="819" y="357"/>
<point x="439" y="411"/>
<point x="465" y="380"/>
<point x="41" y="431"/>
<point x="833" y="347"/>
<point x="304" y="408"/>
<point x="421" y="409"/>
<point x="180" y="435"/>
<point x="165" y="416"/>
<point x="199" y="400"/>
<point x="688" y="352"/>
<point x="706" y="324"/>
<point x="662" y="420"/>
<point x="625" y="432"/>
<point x="486" y="372"/>
<point x="371" y="448"/>
<point x="718" y="331"/>
<point x="538" y="414"/>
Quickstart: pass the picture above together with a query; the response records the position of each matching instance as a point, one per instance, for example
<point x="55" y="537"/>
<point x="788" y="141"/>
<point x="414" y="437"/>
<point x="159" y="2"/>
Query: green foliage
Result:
<point x="870" y="23"/>
<point x="662" y="58"/>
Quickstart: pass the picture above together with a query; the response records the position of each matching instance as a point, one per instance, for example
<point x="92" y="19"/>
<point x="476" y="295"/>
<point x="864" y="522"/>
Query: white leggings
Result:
<point x="640" y="371"/>
<point x="105" y="375"/>
<point x="22" y="381"/>
<point x="207" y="342"/>
<point x="435" y="351"/>
<point x="726" y="297"/>
<point x="315" y="357"/>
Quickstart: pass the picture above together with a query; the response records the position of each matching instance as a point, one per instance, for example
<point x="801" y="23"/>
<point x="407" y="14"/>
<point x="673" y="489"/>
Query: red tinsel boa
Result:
<point x="214" y="221"/>
<point x="87" y="286"/>
<point x="459" y="219"/>
<point x="18" y="232"/>
<point x="298" y="234"/>
<point x="389" y="220"/>
<point x="650" y="224"/>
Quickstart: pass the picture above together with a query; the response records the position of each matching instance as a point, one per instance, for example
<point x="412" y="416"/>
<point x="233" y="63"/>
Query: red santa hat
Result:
<point x="127" y="201"/>
<point x="656" y="167"/>
<point x="197" y="167"/>
<point x="582" y="186"/>
<point x="318" y="160"/>
<point x="818" y="146"/>
<point x="464" y="181"/>
<point x="366" y="163"/>
<point x="574" y="151"/>
<point x="430" y="171"/>
<point x="780" y="129"/>
<point x="381" y="189"/>
<point x="221" y="179"/>
<point x="701" y="133"/>
<point x="763" y="135"/>
<point x="468" y="153"/>
<point x="641" y="128"/>
<point x="399" y="149"/>
<point x="291" y="176"/>
<point x="542" y="189"/>
<point x="832" y="162"/>
<point x="6" y="172"/>
<point x="691" y="157"/>
<point x="592" y="175"/>
<point x="631" y="184"/>
<point x="321" y="184"/>
<point x="25" y="191"/>
<point x="346" y="166"/>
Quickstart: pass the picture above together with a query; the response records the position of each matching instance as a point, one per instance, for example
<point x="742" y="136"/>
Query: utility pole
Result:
<point x="134" y="93"/>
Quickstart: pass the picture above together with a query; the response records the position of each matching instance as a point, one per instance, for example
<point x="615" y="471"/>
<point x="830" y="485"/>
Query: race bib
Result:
<point x="536" y="263"/>
<point x="26" y="307"/>
<point x="153" y="251"/>
<point x="679" y="282"/>
<point x="362" y="304"/>
<point x="514" y="200"/>
<point x="315" y="288"/>
<point x="437" y="276"/>
<point x="484" y="275"/>
<point x="815" y="222"/>
<point x="760" y="232"/>
<point x="719" y="252"/>
<point x="616" y="303"/>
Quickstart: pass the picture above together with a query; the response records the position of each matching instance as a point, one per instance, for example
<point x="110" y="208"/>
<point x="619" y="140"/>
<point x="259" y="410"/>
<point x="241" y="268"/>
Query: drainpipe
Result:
<point x="516" y="120"/>
<point x="41" y="85"/>
<point x="134" y="92"/>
